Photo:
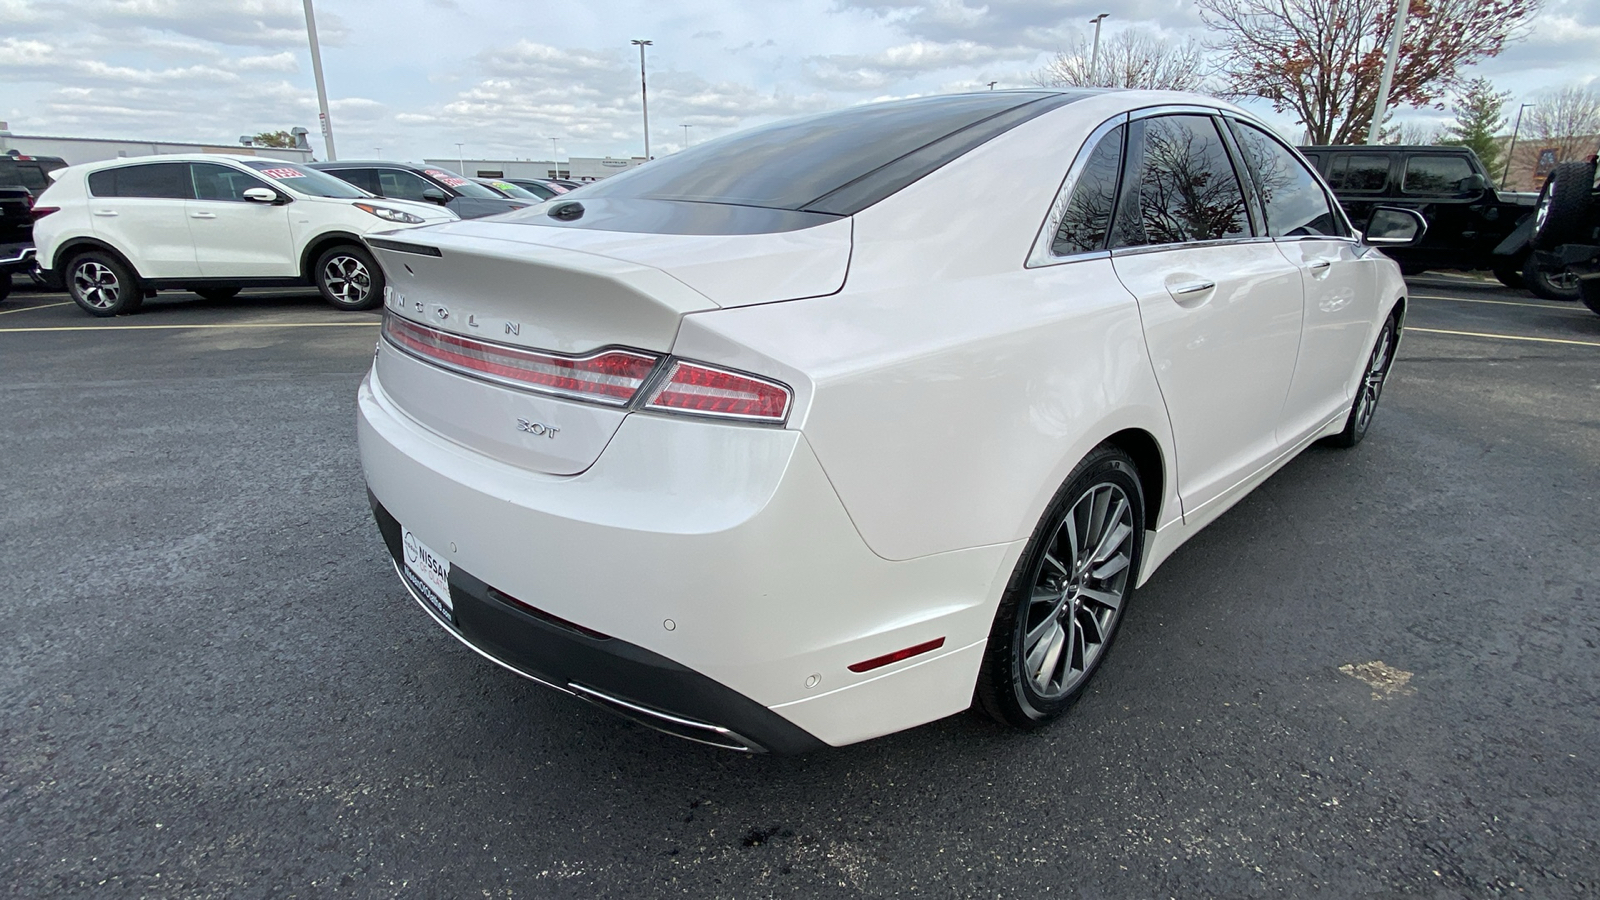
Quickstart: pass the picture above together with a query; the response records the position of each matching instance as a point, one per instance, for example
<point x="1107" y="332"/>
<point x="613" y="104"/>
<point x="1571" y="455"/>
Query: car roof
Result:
<point x="177" y="157"/>
<point x="1384" y="148"/>
<point x="340" y="163"/>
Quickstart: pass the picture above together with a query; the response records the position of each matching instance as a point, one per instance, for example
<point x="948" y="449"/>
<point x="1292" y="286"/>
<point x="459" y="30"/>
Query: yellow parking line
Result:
<point x="27" y="308"/>
<point x="1503" y="337"/>
<point x="1572" y="307"/>
<point x="174" y="327"/>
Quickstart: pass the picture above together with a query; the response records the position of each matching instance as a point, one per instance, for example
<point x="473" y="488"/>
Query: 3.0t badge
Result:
<point x="537" y="428"/>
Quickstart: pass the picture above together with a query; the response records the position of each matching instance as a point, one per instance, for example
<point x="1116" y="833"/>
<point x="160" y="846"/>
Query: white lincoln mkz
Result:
<point x="832" y="427"/>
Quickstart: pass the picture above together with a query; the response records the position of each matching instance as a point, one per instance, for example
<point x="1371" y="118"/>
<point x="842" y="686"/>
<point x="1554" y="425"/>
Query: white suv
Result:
<point x="118" y="231"/>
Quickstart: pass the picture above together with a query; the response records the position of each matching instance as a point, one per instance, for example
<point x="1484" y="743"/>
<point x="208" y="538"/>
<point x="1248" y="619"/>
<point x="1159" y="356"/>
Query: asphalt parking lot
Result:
<point x="1379" y="675"/>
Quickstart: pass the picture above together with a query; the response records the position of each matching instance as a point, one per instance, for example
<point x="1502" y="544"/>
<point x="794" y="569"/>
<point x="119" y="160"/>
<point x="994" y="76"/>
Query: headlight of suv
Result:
<point x="390" y="215"/>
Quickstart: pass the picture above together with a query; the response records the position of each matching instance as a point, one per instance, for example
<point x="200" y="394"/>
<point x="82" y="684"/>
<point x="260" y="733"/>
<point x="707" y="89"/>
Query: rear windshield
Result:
<point x="863" y="153"/>
<point x="310" y="182"/>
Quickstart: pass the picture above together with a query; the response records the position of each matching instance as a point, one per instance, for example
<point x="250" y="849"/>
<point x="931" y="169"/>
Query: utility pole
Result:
<point x="555" y="157"/>
<point x="686" y="136"/>
<point x="1401" y="10"/>
<point x="1094" y="55"/>
<point x="992" y="84"/>
<point x="322" y="90"/>
<point x="1511" y="151"/>
<point x="461" y="164"/>
<point x="644" y="95"/>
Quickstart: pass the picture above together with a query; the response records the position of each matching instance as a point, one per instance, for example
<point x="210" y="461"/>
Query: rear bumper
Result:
<point x="716" y="562"/>
<point x="16" y="257"/>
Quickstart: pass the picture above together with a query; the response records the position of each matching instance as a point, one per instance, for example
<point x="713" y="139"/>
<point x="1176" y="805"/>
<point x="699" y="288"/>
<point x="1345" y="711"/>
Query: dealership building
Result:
<point x="578" y="168"/>
<point x="77" y="150"/>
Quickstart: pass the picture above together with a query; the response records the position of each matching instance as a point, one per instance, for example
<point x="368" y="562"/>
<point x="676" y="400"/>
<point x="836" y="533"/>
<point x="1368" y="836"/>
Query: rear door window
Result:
<point x="1182" y="186"/>
<point x="366" y="179"/>
<point x="1435" y="175"/>
<point x="1358" y="173"/>
<point x="162" y="180"/>
<point x="1086" y="217"/>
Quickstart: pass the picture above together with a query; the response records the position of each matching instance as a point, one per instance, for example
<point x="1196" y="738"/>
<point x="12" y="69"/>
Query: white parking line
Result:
<point x="1503" y="337"/>
<point x="8" y="312"/>
<point x="223" y="327"/>
<point x="1557" y="306"/>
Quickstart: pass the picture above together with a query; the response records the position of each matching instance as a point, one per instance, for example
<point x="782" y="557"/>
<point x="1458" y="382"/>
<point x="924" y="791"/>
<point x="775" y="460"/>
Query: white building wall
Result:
<point x="85" y="150"/>
<point x="578" y="168"/>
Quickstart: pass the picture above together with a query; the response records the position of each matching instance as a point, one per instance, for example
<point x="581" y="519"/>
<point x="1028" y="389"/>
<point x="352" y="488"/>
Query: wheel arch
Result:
<point x="322" y="243"/>
<point x="74" y="246"/>
<point x="1150" y="462"/>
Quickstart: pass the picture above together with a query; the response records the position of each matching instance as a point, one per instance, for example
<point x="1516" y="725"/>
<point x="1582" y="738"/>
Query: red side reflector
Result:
<point x="610" y="376"/>
<point x="878" y="662"/>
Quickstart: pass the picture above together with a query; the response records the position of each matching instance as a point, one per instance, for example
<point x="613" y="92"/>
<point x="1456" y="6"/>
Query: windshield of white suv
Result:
<point x="307" y="181"/>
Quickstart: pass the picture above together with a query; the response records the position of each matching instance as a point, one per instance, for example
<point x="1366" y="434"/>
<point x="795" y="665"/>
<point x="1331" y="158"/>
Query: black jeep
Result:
<point x="22" y="178"/>
<point x="1566" y="228"/>
<point x="1471" y="225"/>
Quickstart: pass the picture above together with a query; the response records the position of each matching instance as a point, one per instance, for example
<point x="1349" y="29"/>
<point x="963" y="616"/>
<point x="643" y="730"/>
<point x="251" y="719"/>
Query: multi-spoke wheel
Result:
<point x="102" y="285"/>
<point x="1371" y="386"/>
<point x="1065" y="601"/>
<point x="349" y="278"/>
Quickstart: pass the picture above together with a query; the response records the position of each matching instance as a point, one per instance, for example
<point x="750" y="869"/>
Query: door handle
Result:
<point x="1193" y="287"/>
<point x="1320" y="265"/>
<point x="105" y="212"/>
<point x="202" y="215"/>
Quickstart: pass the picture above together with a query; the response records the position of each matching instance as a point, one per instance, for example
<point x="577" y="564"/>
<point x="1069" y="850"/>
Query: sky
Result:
<point x="409" y="79"/>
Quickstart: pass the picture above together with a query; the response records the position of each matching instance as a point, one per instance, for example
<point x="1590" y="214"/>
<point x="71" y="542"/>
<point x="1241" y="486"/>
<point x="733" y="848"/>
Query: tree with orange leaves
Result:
<point x="1321" y="60"/>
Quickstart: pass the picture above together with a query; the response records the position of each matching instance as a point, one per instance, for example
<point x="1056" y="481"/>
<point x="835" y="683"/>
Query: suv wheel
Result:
<point x="348" y="278"/>
<point x="102" y="285"/>
<point x="5" y="286"/>
<point x="1562" y="215"/>
<point x="1548" y="282"/>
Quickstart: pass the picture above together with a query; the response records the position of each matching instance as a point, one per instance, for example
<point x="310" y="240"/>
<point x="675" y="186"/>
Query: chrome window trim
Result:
<point x="1120" y="252"/>
<point x="1042" y="253"/>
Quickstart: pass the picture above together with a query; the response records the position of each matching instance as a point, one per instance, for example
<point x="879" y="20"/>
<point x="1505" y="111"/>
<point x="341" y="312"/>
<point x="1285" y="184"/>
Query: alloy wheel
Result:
<point x="347" y="279"/>
<point x="1078" y="591"/>
<point x="1372" y="380"/>
<point x="96" y="284"/>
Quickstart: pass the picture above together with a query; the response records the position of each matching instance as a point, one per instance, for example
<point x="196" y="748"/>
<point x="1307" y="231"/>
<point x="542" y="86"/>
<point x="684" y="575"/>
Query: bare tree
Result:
<point x="1411" y="134"/>
<point x="1130" y="59"/>
<point x="1567" y="119"/>
<point x="1321" y="59"/>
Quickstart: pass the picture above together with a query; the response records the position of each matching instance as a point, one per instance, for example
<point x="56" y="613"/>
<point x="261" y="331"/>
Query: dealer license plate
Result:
<point x="429" y="573"/>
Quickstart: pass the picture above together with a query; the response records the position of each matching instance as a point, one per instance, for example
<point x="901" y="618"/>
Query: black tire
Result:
<point x="5" y="286"/>
<point x="1509" y="273"/>
<point x="1042" y="650"/>
<point x="1411" y="269"/>
<point x="1563" y="213"/>
<point x="102" y="285"/>
<point x="217" y="294"/>
<point x="348" y="278"/>
<point x="1589" y="293"/>
<point x="1370" y="389"/>
<point x="1549" y="283"/>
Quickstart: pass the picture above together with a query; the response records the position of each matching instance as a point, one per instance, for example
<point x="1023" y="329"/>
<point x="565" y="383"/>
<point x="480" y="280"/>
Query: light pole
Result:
<point x="1512" y="150"/>
<point x="555" y="158"/>
<point x="1402" y="9"/>
<point x="1094" y="55"/>
<point x="992" y="84"/>
<point x="686" y="136"/>
<point x="322" y="90"/>
<point x="644" y="95"/>
<point x="461" y="164"/>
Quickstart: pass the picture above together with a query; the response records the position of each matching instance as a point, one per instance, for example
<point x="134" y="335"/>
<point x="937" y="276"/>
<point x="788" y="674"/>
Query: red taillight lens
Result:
<point x="610" y="376"/>
<point x="705" y="391"/>
<point x="40" y="212"/>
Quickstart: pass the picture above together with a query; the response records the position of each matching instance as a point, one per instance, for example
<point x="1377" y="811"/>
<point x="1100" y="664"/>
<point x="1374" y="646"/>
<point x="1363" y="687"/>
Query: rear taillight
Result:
<point x="40" y="212"/>
<point x="610" y="376"/>
<point x="701" y="390"/>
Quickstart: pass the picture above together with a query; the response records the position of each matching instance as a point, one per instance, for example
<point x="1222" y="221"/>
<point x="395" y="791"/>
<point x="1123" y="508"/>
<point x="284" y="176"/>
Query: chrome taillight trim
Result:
<point x="391" y="321"/>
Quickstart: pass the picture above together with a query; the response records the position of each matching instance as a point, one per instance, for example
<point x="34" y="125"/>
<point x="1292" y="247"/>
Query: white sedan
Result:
<point x="831" y="427"/>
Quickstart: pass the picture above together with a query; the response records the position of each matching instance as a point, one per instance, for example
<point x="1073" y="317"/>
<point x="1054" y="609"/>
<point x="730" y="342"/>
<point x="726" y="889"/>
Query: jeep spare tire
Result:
<point x="1563" y="215"/>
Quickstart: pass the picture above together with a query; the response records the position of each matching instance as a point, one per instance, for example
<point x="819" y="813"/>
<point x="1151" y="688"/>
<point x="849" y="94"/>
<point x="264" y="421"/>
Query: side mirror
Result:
<point x="1391" y="226"/>
<point x="1474" y="184"/>
<point x="261" y="195"/>
<point x="435" y="195"/>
